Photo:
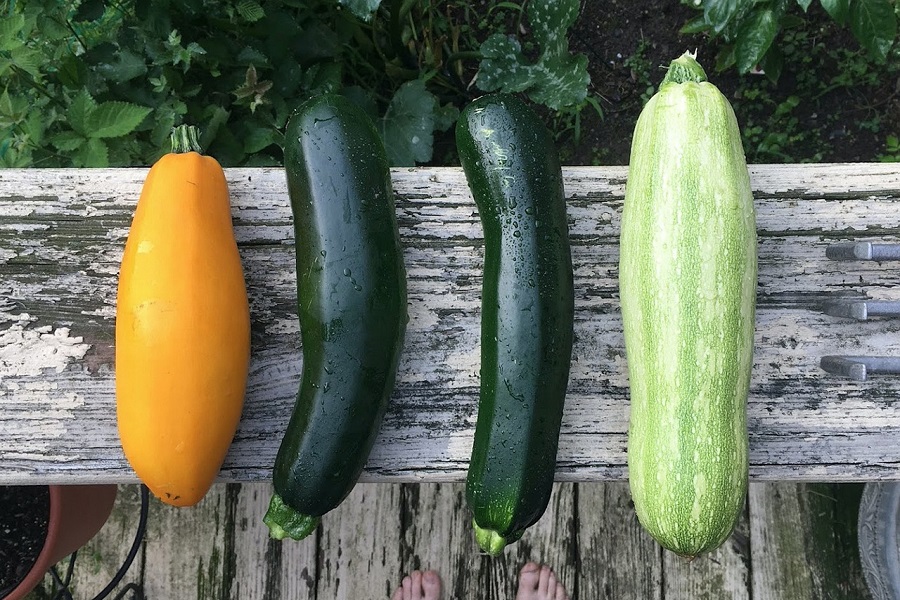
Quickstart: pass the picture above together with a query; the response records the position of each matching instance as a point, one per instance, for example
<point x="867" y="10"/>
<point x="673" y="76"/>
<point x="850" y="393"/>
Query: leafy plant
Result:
<point x="102" y="82"/>
<point x="750" y="28"/>
<point x="558" y="79"/>
<point x="891" y="150"/>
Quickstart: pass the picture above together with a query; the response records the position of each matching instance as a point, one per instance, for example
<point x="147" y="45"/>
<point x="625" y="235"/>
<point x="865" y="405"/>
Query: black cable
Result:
<point x="135" y="547"/>
<point x="138" y="593"/>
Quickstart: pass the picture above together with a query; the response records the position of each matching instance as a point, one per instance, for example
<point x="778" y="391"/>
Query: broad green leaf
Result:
<point x="67" y="141"/>
<point x="551" y="20"/>
<point x="80" y="111"/>
<point x="804" y="4"/>
<point x="445" y="116"/>
<point x="126" y="66"/>
<point x="93" y="153"/>
<point x="773" y="63"/>
<point x="754" y="38"/>
<point x="697" y="25"/>
<point x="503" y="66"/>
<point x="251" y="11"/>
<point x="10" y="29"/>
<point x="558" y="79"/>
<point x="564" y="83"/>
<point x="874" y="23"/>
<point x="719" y="13"/>
<point x="408" y="125"/>
<point x="725" y="59"/>
<point x="28" y="59"/>
<point x="114" y="119"/>
<point x="364" y="9"/>
<point x="214" y="118"/>
<point x="838" y="9"/>
<point x="259" y="138"/>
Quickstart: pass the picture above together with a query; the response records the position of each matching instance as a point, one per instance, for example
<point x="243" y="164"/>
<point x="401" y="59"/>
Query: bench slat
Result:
<point x="62" y="234"/>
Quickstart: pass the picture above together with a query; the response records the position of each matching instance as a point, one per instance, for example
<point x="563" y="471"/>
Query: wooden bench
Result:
<point x="62" y="233"/>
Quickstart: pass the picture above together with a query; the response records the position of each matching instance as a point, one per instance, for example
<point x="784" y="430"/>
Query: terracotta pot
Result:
<point x="77" y="512"/>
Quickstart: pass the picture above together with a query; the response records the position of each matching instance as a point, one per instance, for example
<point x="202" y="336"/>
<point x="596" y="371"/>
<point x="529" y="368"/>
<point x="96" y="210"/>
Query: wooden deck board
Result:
<point x="62" y="232"/>
<point x="795" y="542"/>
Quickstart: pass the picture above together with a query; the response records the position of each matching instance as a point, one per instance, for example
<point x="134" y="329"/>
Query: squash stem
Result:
<point x="683" y="69"/>
<point x="185" y="138"/>
<point x="283" y="521"/>
<point x="490" y="541"/>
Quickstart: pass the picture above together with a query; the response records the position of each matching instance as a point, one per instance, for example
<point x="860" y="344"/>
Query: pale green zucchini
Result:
<point x="687" y="280"/>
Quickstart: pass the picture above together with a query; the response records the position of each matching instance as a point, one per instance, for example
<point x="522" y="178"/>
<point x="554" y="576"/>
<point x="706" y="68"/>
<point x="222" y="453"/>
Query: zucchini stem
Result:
<point x="683" y="69"/>
<point x="283" y="521"/>
<point x="185" y="138"/>
<point x="490" y="541"/>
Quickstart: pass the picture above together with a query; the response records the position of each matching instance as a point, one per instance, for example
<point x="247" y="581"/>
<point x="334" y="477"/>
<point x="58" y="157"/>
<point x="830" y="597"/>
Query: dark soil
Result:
<point x="24" y="514"/>
<point x="847" y="123"/>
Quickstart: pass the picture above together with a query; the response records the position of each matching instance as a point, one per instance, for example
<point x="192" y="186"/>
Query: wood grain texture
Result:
<point x="804" y="541"/>
<point x="618" y="558"/>
<point x="796" y="542"/>
<point x="62" y="233"/>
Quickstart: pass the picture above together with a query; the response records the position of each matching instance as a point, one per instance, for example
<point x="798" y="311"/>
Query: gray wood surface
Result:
<point x="795" y="542"/>
<point x="62" y="232"/>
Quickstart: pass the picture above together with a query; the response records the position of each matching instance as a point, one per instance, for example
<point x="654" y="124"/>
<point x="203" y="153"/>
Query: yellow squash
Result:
<point x="182" y="327"/>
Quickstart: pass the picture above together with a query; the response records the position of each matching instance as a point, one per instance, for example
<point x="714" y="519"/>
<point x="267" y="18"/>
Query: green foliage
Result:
<point x="557" y="79"/>
<point x="891" y="150"/>
<point x="795" y="120"/>
<point x="750" y="28"/>
<point x="103" y="82"/>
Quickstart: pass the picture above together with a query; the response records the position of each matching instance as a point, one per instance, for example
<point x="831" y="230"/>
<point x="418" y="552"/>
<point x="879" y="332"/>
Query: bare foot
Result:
<point x="539" y="583"/>
<point x="419" y="586"/>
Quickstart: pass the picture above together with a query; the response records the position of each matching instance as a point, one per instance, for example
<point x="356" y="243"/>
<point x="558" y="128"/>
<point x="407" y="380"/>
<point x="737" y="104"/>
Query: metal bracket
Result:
<point x="863" y="251"/>
<point x="860" y="367"/>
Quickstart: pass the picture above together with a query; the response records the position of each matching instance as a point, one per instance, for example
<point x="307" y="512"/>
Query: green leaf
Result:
<point x="838" y="9"/>
<point x="408" y="125"/>
<point x="558" y="79"/>
<point x="28" y="59"/>
<point x="67" y="141"/>
<point x="364" y="9"/>
<point x="503" y="66"/>
<point x="754" y="38"/>
<point x="94" y="153"/>
<point x="114" y="119"/>
<point x="80" y="111"/>
<point x="773" y="64"/>
<point x="251" y="11"/>
<point x="259" y="138"/>
<point x="718" y="13"/>
<point x="874" y="23"/>
<point x="804" y="4"/>
<point x="10" y="29"/>
<point x="126" y="66"/>
<point x="725" y="59"/>
<point x="697" y="25"/>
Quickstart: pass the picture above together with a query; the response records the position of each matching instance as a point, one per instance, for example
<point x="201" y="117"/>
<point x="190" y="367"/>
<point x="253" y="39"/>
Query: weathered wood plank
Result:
<point x="804" y="542"/>
<point x="723" y="574"/>
<point x="61" y="235"/>
<point x="438" y="535"/>
<point x="359" y="545"/>
<point x="620" y="560"/>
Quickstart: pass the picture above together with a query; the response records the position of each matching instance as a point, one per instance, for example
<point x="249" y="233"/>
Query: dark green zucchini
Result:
<point x="527" y="303"/>
<point x="351" y="296"/>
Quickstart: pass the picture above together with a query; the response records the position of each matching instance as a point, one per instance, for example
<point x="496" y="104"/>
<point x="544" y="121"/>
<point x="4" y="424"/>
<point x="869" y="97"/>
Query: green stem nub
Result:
<point x="490" y="541"/>
<point x="683" y="69"/>
<point x="283" y="521"/>
<point x="185" y="138"/>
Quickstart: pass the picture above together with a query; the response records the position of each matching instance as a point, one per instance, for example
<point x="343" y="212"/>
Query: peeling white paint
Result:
<point x="28" y="351"/>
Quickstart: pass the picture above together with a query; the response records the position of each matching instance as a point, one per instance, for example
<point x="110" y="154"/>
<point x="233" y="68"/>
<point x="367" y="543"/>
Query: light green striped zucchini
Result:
<point x="687" y="280"/>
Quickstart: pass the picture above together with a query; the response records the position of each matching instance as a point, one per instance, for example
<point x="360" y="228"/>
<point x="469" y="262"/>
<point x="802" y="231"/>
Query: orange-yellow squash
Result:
<point x="182" y="328"/>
